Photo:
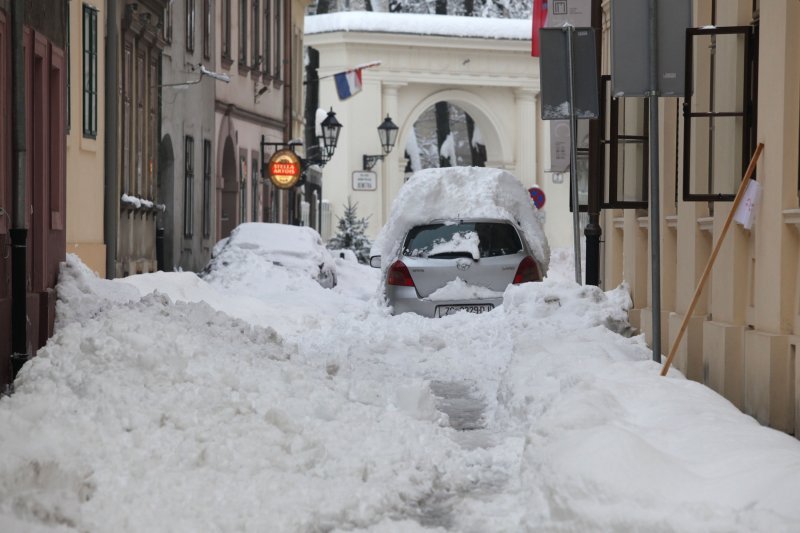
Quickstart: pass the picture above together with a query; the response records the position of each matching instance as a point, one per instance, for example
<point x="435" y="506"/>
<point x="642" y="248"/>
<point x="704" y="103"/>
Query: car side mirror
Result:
<point x="375" y="261"/>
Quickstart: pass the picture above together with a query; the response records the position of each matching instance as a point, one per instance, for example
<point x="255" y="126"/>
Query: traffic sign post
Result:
<point x="568" y="70"/>
<point x="648" y="60"/>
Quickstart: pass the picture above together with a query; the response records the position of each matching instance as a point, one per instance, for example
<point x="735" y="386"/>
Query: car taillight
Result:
<point x="527" y="271"/>
<point x="399" y="275"/>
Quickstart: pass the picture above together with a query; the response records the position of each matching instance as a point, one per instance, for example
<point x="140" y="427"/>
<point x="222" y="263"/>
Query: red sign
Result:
<point x="537" y="195"/>
<point x="284" y="169"/>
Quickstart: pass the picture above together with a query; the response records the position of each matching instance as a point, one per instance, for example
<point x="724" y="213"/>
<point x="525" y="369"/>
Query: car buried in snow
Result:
<point x="298" y="251"/>
<point x="456" y="239"/>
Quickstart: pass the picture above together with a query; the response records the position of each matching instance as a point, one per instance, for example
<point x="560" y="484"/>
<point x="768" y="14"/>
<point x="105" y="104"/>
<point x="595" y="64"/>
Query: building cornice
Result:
<point x="248" y="116"/>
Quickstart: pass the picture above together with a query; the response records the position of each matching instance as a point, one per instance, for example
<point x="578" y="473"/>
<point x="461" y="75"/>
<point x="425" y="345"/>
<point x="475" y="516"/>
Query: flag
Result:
<point x="348" y="83"/>
<point x="748" y="206"/>
<point x="539" y="21"/>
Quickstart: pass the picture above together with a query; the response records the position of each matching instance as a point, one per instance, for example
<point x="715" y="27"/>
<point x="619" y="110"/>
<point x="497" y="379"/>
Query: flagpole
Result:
<point x="742" y="187"/>
<point x="357" y="67"/>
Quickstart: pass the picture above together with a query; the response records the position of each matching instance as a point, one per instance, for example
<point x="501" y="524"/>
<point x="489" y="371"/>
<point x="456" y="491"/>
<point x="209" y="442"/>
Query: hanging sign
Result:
<point x="284" y="169"/>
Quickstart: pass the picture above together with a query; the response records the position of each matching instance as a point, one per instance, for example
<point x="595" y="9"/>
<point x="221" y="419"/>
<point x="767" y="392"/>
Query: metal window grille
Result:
<point x="206" y="188"/>
<point x="188" y="188"/>
<point x="256" y="40"/>
<point x="243" y="32"/>
<point x="207" y="22"/>
<point x="226" y="29"/>
<point x="254" y="186"/>
<point x="266" y="65"/>
<point x="89" y="71"/>
<point x="190" y="25"/>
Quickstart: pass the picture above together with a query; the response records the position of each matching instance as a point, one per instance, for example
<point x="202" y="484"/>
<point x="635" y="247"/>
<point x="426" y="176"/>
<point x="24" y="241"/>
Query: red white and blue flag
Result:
<point x="539" y="21"/>
<point x="348" y="83"/>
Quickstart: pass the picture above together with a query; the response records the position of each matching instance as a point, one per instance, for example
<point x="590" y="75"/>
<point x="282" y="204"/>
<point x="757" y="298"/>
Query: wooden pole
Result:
<point x="742" y="187"/>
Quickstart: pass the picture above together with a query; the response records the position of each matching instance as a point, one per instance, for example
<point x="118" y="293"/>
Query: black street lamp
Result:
<point x="387" y="132"/>
<point x="330" y="135"/>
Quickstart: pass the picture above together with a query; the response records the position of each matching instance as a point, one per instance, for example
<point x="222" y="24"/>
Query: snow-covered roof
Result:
<point x="445" y="25"/>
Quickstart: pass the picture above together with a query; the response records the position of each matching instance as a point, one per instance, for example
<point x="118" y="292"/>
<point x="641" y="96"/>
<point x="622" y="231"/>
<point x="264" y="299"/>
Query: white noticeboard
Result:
<point x="364" y="180"/>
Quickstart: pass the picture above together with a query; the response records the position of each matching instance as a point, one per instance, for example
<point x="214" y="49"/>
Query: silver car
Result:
<point x="450" y="266"/>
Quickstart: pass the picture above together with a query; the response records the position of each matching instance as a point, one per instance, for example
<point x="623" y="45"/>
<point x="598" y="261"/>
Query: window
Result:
<point x="625" y="149"/>
<point x="254" y="186"/>
<point x="266" y="56"/>
<point x="141" y="78"/>
<point x="89" y="71"/>
<point x="207" y="21"/>
<point x="717" y="112"/>
<point x="69" y="75"/>
<point x="190" y="27"/>
<point x="152" y="144"/>
<point x="277" y="42"/>
<point x="242" y="188"/>
<point x="242" y="33"/>
<point x="188" y="188"/>
<point x="226" y="29"/>
<point x="256" y="42"/>
<point x="447" y="241"/>
<point x="206" y="189"/>
<point x="127" y="118"/>
<point x="168" y="22"/>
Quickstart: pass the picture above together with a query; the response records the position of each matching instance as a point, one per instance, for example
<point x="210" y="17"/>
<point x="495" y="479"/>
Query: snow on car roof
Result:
<point x="293" y="249"/>
<point x="461" y="192"/>
<point x="281" y="238"/>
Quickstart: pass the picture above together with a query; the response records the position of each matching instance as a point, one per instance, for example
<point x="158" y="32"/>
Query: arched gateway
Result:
<point x="481" y="65"/>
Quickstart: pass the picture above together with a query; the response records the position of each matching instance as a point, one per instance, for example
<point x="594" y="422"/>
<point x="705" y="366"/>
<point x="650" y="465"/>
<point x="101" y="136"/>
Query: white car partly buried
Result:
<point x="296" y="249"/>
<point x="456" y="239"/>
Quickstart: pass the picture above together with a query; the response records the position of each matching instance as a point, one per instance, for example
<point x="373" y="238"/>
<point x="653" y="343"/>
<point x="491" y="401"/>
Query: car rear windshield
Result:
<point x="456" y="240"/>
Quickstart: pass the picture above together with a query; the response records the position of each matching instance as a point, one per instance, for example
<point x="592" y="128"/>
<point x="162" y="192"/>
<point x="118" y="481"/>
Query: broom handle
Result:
<point x="750" y="169"/>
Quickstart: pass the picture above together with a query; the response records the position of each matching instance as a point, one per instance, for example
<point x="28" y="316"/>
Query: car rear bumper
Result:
<point x="405" y="300"/>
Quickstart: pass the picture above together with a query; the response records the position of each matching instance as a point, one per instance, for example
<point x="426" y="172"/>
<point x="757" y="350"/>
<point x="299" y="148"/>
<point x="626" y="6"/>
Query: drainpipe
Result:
<point x="287" y="100"/>
<point x="19" y="228"/>
<point x="111" y="193"/>
<point x="593" y="231"/>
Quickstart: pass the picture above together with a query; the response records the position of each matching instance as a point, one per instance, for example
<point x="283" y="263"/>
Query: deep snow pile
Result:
<point x="456" y="192"/>
<point x="160" y="412"/>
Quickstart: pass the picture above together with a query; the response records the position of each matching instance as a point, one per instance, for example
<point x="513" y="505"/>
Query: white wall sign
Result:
<point x="365" y="181"/>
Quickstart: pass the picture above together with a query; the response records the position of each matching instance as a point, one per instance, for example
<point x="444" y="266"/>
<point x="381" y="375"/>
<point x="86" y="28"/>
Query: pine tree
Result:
<point x="350" y="233"/>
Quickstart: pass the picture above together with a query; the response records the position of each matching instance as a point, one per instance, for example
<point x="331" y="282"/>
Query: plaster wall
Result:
<point x="187" y="110"/>
<point x="85" y="155"/>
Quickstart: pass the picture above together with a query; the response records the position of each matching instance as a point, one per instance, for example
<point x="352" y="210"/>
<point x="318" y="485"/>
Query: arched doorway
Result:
<point x="229" y="214"/>
<point x="444" y="135"/>
<point x="165" y="222"/>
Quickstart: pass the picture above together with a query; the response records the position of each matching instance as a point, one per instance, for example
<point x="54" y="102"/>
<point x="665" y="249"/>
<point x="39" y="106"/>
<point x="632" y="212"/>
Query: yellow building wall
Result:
<point x="744" y="332"/>
<point x="85" y="156"/>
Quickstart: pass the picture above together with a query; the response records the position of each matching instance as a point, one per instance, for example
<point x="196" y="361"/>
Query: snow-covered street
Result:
<point x="263" y="402"/>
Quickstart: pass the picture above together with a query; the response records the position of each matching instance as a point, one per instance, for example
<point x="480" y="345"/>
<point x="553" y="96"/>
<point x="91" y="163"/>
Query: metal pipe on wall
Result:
<point x="655" y="198"/>
<point x="111" y="192"/>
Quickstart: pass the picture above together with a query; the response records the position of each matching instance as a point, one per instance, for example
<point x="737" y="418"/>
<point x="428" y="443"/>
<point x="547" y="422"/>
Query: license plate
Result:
<point x="444" y="310"/>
